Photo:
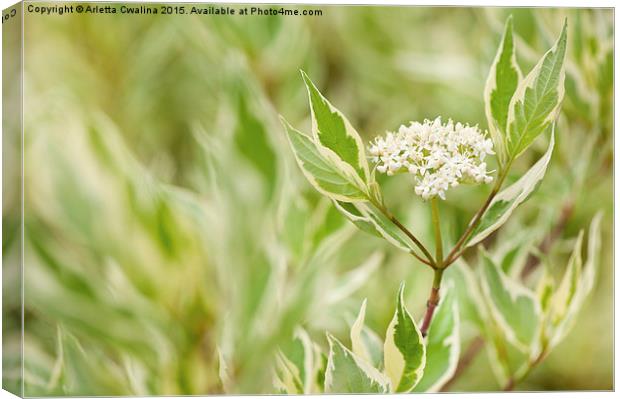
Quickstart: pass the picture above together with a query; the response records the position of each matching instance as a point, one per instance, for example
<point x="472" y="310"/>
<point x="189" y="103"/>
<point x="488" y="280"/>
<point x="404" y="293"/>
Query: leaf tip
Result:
<point x="305" y="77"/>
<point x="287" y="126"/>
<point x="562" y="38"/>
<point x="401" y="293"/>
<point x="565" y="27"/>
<point x="330" y="338"/>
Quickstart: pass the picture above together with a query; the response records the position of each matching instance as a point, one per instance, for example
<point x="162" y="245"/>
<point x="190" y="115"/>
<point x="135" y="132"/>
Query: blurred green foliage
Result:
<point x="172" y="245"/>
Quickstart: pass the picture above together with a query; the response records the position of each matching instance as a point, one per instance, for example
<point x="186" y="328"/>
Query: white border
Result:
<point x="463" y="3"/>
<point x="480" y="3"/>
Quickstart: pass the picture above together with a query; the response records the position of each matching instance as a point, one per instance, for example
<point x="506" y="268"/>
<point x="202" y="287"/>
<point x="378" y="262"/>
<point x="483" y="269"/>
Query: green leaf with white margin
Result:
<point x="585" y="284"/>
<point x="567" y="289"/>
<point x="334" y="133"/>
<point x="296" y="369"/>
<point x="326" y="172"/>
<point x="514" y="307"/>
<point x="287" y="379"/>
<point x="307" y="360"/>
<point x="367" y="217"/>
<point x="513" y="251"/>
<point x="504" y="77"/>
<point x="545" y="288"/>
<point x="364" y="342"/>
<point x="348" y="373"/>
<point x="443" y="345"/>
<point x="223" y="371"/>
<point x="511" y="197"/>
<point x="404" y="352"/>
<point x="537" y="100"/>
<point x="497" y="352"/>
<point x="471" y="304"/>
<point x="592" y="263"/>
<point x="351" y="212"/>
<point x="473" y="308"/>
<point x="321" y="368"/>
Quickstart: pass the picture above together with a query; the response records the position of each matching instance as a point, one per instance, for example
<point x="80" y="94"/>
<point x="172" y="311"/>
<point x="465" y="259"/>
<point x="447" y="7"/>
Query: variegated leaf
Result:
<point x="511" y="197"/>
<point x="565" y="293"/>
<point x="467" y="291"/>
<point x="223" y="371"/>
<point x="537" y="99"/>
<point x="514" y="307"/>
<point x="334" y="133"/>
<point x="497" y="352"/>
<point x="592" y="263"/>
<point x="368" y="218"/>
<point x="443" y="345"/>
<point x="325" y="171"/>
<point x="364" y="342"/>
<point x="404" y="352"/>
<point x="584" y="284"/>
<point x="545" y="289"/>
<point x="288" y="378"/>
<point x="348" y="373"/>
<point x="297" y="368"/>
<point x="503" y="79"/>
<point x="351" y="212"/>
<point x="513" y="251"/>
<point x="321" y="368"/>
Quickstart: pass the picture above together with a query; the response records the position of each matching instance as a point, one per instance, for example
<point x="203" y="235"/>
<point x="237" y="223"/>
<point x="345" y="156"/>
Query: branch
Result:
<point x="456" y="252"/>
<point x="418" y="257"/>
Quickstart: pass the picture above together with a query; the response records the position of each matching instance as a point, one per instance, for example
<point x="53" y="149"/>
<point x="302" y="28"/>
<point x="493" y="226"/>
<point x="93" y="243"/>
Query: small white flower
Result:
<point x="438" y="156"/>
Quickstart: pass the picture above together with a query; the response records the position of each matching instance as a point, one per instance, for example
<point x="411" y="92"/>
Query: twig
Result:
<point x="421" y="259"/>
<point x="397" y="223"/>
<point x="411" y="237"/>
<point x="457" y="251"/>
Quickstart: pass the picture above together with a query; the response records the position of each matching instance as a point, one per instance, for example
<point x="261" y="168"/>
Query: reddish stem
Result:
<point x="433" y="301"/>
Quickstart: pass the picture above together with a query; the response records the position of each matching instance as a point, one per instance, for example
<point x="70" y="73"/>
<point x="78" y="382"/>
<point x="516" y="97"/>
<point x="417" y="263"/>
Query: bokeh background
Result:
<point x="168" y="228"/>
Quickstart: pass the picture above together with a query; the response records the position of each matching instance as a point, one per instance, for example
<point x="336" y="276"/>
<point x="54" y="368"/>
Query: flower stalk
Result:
<point x="437" y="227"/>
<point x="433" y="299"/>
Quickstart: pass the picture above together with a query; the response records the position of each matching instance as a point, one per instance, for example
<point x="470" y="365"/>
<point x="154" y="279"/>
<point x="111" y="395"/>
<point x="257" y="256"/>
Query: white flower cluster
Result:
<point x="439" y="156"/>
